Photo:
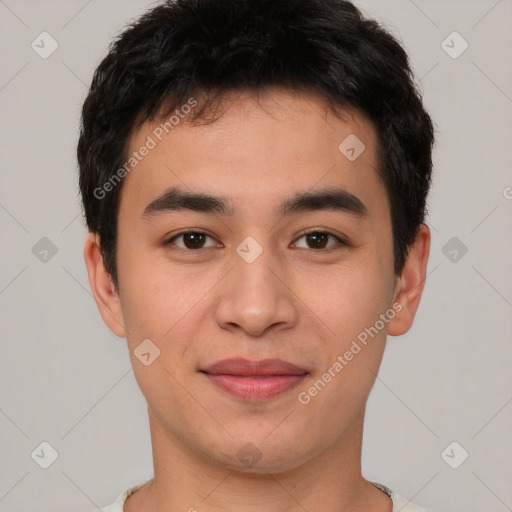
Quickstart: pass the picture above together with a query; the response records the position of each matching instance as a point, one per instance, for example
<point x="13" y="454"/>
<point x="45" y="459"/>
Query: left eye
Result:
<point x="319" y="239"/>
<point x="194" y="240"/>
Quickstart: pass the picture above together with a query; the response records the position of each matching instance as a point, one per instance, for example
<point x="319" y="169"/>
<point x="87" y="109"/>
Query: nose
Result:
<point x="257" y="296"/>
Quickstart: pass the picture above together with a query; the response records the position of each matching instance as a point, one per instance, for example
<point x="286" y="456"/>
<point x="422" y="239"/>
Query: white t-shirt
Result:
<point x="399" y="503"/>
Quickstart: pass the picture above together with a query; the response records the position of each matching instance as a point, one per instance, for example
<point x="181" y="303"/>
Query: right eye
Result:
<point x="192" y="240"/>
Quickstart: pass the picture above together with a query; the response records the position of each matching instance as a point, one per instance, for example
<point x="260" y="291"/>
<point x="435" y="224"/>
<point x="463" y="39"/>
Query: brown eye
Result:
<point x="319" y="239"/>
<point x="191" y="240"/>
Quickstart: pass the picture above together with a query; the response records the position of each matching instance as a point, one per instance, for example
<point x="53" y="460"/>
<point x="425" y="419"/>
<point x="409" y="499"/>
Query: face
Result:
<point x="250" y="273"/>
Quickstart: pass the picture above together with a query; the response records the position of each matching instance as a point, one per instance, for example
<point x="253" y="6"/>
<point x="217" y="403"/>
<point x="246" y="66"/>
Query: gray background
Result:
<point x="68" y="381"/>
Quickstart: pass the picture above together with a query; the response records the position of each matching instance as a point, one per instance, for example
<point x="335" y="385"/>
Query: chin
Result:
<point x="259" y="455"/>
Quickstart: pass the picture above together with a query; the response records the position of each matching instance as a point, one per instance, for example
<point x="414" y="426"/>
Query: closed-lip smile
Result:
<point x="254" y="380"/>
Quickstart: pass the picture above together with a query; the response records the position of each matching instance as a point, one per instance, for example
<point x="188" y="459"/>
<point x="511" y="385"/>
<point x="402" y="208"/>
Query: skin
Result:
<point x="295" y="302"/>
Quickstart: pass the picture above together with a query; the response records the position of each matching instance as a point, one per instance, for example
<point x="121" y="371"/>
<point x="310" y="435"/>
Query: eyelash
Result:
<point x="315" y="231"/>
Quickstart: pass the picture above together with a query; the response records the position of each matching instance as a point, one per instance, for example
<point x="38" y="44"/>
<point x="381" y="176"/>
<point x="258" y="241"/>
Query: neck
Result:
<point x="186" y="480"/>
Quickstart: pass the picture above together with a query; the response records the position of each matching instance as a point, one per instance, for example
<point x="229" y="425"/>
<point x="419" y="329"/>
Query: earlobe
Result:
<point x="411" y="283"/>
<point x="102" y="286"/>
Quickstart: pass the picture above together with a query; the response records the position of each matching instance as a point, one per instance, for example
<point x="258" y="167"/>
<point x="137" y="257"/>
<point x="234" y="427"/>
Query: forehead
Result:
<point x="258" y="147"/>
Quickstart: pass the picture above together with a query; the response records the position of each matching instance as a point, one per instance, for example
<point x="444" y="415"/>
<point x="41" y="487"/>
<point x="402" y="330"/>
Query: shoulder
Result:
<point x="399" y="502"/>
<point x="117" y="506"/>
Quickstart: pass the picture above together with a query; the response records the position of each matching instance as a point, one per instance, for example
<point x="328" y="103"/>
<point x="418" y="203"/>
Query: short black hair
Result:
<point x="183" y="48"/>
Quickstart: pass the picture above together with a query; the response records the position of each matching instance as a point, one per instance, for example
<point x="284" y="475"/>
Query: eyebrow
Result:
<point x="334" y="199"/>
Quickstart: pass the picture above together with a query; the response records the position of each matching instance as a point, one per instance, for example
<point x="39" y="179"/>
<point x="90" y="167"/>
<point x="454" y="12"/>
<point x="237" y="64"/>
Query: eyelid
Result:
<point x="340" y="238"/>
<point x="168" y="241"/>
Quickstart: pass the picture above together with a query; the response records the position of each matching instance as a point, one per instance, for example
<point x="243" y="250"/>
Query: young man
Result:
<point x="254" y="177"/>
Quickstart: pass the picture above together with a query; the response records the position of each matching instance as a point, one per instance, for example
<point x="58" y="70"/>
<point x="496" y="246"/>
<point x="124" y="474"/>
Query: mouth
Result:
<point x="254" y="380"/>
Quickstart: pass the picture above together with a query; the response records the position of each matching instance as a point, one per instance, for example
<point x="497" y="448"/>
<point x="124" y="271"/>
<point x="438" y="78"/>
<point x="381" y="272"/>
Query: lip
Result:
<point x="254" y="380"/>
<point x="245" y="367"/>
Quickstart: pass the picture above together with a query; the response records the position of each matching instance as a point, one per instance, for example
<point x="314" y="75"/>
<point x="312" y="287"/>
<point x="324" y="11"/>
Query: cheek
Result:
<point x="160" y="304"/>
<point x="362" y="297"/>
<point x="354" y="299"/>
<point x="352" y="354"/>
<point x="143" y="298"/>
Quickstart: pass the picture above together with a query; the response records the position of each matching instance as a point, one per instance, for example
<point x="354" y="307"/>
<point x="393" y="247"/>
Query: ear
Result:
<point x="410" y="284"/>
<point x="102" y="286"/>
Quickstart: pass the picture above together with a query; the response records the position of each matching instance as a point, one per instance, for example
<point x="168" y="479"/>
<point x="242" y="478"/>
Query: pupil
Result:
<point x="194" y="237"/>
<point x="317" y="236"/>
